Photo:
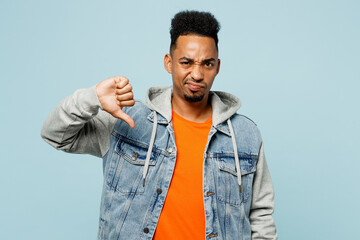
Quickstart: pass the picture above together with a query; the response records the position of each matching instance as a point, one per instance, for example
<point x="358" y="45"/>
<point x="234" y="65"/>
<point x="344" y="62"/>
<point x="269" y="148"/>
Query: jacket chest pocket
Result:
<point x="228" y="190"/>
<point x="126" y="167"/>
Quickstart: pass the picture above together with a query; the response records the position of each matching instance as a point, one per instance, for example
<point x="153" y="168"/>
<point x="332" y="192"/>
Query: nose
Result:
<point x="197" y="72"/>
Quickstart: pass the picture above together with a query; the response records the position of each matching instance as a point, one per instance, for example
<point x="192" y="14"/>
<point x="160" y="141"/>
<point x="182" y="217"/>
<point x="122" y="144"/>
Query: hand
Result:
<point x="114" y="94"/>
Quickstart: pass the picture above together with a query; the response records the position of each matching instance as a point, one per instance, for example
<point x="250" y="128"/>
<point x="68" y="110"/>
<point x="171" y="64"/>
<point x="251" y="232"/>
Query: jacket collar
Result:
<point x="224" y="128"/>
<point x="160" y="119"/>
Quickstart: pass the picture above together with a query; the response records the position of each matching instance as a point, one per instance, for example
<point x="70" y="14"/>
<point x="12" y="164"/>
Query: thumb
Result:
<point x="126" y="118"/>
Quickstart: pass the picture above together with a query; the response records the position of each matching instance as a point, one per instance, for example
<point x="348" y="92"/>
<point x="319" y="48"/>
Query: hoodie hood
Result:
<point x="223" y="104"/>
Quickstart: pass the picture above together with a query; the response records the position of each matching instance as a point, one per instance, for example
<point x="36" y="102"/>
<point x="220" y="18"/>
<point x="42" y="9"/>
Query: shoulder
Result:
<point x="245" y="126"/>
<point x="244" y="119"/>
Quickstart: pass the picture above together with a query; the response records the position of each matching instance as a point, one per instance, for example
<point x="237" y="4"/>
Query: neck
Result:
<point x="192" y="111"/>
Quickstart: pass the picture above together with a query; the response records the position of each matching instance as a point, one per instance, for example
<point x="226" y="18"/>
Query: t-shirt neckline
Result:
<point x="207" y="122"/>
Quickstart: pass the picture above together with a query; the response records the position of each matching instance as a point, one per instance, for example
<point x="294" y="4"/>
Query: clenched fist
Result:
<point x="114" y="94"/>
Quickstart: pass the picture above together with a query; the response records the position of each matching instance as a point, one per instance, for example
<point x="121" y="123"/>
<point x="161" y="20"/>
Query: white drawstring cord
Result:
<point x="148" y="155"/>
<point x="237" y="163"/>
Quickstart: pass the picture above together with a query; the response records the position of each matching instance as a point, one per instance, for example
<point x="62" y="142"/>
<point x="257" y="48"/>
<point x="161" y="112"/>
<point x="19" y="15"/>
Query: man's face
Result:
<point x="193" y="65"/>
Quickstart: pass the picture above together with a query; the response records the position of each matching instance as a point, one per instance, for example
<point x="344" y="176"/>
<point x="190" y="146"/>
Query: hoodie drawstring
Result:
<point x="152" y="140"/>
<point x="237" y="163"/>
<point x="148" y="155"/>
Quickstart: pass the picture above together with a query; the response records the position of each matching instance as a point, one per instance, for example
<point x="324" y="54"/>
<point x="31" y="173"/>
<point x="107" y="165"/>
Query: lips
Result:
<point x="194" y="86"/>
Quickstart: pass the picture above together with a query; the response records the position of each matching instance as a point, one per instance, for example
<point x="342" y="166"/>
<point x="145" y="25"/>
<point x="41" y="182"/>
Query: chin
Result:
<point x="194" y="98"/>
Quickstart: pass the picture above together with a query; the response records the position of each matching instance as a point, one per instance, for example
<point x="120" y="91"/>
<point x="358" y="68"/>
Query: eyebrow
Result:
<point x="191" y="60"/>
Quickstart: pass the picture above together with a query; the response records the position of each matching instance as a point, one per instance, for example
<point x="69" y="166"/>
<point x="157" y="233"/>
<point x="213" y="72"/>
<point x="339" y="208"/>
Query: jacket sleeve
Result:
<point x="262" y="206"/>
<point x="78" y="125"/>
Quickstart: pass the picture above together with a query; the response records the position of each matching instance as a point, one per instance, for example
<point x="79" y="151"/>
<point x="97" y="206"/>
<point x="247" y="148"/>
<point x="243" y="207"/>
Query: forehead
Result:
<point x="195" y="46"/>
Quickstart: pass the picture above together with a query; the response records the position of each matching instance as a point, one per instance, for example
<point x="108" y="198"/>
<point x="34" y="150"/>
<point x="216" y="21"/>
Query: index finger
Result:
<point x="122" y="82"/>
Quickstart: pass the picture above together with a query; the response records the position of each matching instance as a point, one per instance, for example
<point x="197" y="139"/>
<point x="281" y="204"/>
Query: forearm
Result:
<point x="77" y="126"/>
<point x="262" y="207"/>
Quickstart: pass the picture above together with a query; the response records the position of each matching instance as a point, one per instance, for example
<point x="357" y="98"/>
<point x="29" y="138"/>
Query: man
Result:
<point x="184" y="165"/>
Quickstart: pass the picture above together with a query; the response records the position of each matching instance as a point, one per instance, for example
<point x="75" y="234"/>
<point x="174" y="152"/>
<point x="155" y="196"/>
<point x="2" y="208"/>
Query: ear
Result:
<point x="218" y="67"/>
<point x="168" y="62"/>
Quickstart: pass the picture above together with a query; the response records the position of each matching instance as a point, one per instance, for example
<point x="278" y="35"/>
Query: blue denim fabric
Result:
<point x="130" y="210"/>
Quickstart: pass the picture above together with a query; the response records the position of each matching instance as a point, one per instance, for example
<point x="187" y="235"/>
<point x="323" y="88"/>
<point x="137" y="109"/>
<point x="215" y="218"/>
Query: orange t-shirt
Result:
<point x="182" y="216"/>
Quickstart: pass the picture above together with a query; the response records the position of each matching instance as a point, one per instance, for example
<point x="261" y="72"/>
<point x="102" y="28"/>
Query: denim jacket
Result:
<point x="138" y="165"/>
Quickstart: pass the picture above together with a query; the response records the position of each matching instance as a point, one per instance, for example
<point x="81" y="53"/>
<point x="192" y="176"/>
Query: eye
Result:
<point x="209" y="64"/>
<point x="184" y="63"/>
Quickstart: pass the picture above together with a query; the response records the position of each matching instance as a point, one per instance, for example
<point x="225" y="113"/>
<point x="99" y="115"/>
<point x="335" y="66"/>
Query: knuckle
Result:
<point x="125" y="80"/>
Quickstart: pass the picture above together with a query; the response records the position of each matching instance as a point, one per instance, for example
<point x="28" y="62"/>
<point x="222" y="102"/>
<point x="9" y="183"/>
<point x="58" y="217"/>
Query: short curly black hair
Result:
<point x="194" y="22"/>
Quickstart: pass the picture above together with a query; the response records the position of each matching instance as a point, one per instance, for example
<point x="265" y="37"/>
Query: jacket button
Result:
<point x="170" y="150"/>
<point x="146" y="230"/>
<point x="158" y="191"/>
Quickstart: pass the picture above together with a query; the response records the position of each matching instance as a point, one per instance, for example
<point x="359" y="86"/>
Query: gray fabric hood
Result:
<point x="224" y="105"/>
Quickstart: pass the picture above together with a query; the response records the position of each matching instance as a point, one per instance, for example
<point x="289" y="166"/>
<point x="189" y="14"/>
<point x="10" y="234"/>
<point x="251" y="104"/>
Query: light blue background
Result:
<point x="294" y="64"/>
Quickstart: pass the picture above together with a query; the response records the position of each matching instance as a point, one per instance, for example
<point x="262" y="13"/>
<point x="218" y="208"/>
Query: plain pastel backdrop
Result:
<point x="294" y="64"/>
